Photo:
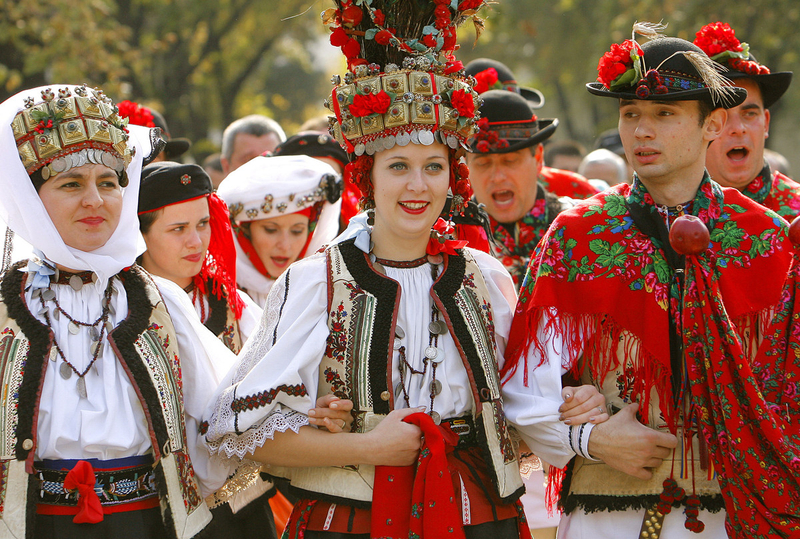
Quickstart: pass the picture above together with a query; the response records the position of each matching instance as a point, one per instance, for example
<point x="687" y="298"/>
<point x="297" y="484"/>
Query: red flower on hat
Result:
<point x="449" y="39"/>
<point x="486" y="80"/>
<point x="469" y="4"/>
<point x="617" y="61"/>
<point x="352" y="15"/>
<point x="462" y="101"/>
<point x="442" y="12"/>
<point x="136" y="114"/>
<point x="378" y="17"/>
<point x="717" y="37"/>
<point x="383" y="37"/>
<point x="366" y="104"/>
<point x="351" y="49"/>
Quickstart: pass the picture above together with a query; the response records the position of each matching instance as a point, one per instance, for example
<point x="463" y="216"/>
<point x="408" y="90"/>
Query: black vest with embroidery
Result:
<point x="358" y="362"/>
<point x="222" y="321"/>
<point x="145" y="344"/>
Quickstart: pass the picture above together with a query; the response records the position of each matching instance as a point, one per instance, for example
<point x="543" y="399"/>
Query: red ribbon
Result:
<point x="424" y="502"/>
<point x="438" y="244"/>
<point x="81" y="478"/>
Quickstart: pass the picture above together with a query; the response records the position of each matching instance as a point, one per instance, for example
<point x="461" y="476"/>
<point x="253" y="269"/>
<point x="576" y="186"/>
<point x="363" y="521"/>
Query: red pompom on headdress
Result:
<point x="136" y="113"/>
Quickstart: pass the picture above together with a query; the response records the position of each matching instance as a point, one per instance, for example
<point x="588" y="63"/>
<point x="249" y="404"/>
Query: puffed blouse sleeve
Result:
<point x="204" y="361"/>
<point x="274" y="382"/>
<point x="531" y="406"/>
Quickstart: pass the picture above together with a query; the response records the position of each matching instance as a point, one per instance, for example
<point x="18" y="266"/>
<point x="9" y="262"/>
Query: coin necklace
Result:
<point x="74" y="326"/>
<point x="433" y="356"/>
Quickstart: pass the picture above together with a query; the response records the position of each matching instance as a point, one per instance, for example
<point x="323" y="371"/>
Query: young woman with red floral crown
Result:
<point x="407" y="323"/>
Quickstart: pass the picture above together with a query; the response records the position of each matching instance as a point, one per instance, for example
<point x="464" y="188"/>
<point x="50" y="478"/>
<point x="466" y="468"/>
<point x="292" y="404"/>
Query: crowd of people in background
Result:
<point x="423" y="316"/>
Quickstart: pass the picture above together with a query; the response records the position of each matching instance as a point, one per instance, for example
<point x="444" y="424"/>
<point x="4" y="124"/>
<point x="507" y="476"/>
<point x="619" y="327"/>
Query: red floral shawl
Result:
<point x="564" y="183"/>
<point x="776" y="191"/>
<point x="604" y="276"/>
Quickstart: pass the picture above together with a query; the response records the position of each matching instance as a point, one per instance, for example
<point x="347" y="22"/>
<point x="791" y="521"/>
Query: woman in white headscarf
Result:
<point x="104" y="388"/>
<point x="282" y="209"/>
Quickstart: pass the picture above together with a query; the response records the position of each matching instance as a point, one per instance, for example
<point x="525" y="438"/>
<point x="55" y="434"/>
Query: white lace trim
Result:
<point x="240" y="445"/>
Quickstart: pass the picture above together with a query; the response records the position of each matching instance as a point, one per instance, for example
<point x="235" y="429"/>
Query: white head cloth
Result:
<point x="267" y="187"/>
<point x="22" y="209"/>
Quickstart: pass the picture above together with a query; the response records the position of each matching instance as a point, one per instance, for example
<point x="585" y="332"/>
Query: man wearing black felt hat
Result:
<point x="645" y="291"/>
<point x="494" y="75"/>
<point x="736" y="158"/>
<point x="505" y="169"/>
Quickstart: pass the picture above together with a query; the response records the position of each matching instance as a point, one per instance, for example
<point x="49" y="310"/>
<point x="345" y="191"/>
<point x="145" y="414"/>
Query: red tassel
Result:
<point x="81" y="478"/>
<point x="220" y="262"/>
<point x="555" y="478"/>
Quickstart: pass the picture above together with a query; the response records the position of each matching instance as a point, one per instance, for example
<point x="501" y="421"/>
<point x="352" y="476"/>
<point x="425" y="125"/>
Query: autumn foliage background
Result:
<point x="204" y="63"/>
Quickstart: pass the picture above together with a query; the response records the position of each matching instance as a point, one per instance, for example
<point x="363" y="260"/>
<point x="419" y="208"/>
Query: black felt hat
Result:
<point x="719" y="41"/>
<point x="313" y="145"/>
<point x="507" y="124"/>
<point x="175" y="146"/>
<point x="772" y="85"/>
<point x="165" y="183"/>
<point x="666" y="73"/>
<point x="505" y="80"/>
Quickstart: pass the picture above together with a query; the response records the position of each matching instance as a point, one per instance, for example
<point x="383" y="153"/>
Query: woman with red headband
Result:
<point x="188" y="236"/>
<point x="281" y="209"/>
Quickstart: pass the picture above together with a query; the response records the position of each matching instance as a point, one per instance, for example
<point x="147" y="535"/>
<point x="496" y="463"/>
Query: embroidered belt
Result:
<point x="465" y="428"/>
<point x="125" y="484"/>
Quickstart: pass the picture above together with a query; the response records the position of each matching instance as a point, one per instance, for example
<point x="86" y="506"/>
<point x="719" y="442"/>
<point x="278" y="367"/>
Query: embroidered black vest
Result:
<point x="145" y="344"/>
<point x="357" y="365"/>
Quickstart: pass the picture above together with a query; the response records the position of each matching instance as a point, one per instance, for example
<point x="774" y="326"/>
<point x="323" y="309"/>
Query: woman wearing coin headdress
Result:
<point x="104" y="388"/>
<point x="407" y="323"/>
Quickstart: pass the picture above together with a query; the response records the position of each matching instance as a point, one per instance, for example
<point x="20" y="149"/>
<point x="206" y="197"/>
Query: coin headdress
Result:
<point x="403" y="84"/>
<point x="70" y="127"/>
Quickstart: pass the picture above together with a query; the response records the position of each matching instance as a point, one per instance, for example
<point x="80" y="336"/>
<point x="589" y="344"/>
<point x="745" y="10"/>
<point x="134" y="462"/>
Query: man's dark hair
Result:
<point x="705" y="108"/>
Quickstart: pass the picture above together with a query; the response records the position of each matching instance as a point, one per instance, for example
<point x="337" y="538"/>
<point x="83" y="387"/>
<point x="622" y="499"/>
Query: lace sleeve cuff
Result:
<point x="243" y="444"/>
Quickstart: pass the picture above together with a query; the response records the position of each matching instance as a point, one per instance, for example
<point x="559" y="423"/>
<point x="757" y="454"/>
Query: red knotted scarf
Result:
<point x="81" y="478"/>
<point x="406" y="503"/>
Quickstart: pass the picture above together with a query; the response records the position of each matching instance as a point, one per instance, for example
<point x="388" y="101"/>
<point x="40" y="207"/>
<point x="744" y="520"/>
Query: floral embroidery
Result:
<point x="191" y="497"/>
<point x="337" y="384"/>
<point x="781" y="194"/>
<point x="229" y="338"/>
<point x="514" y="249"/>
<point x="337" y="338"/>
<point x="506" y="447"/>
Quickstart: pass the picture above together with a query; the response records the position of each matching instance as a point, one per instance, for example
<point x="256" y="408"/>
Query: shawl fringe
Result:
<point x="713" y="503"/>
